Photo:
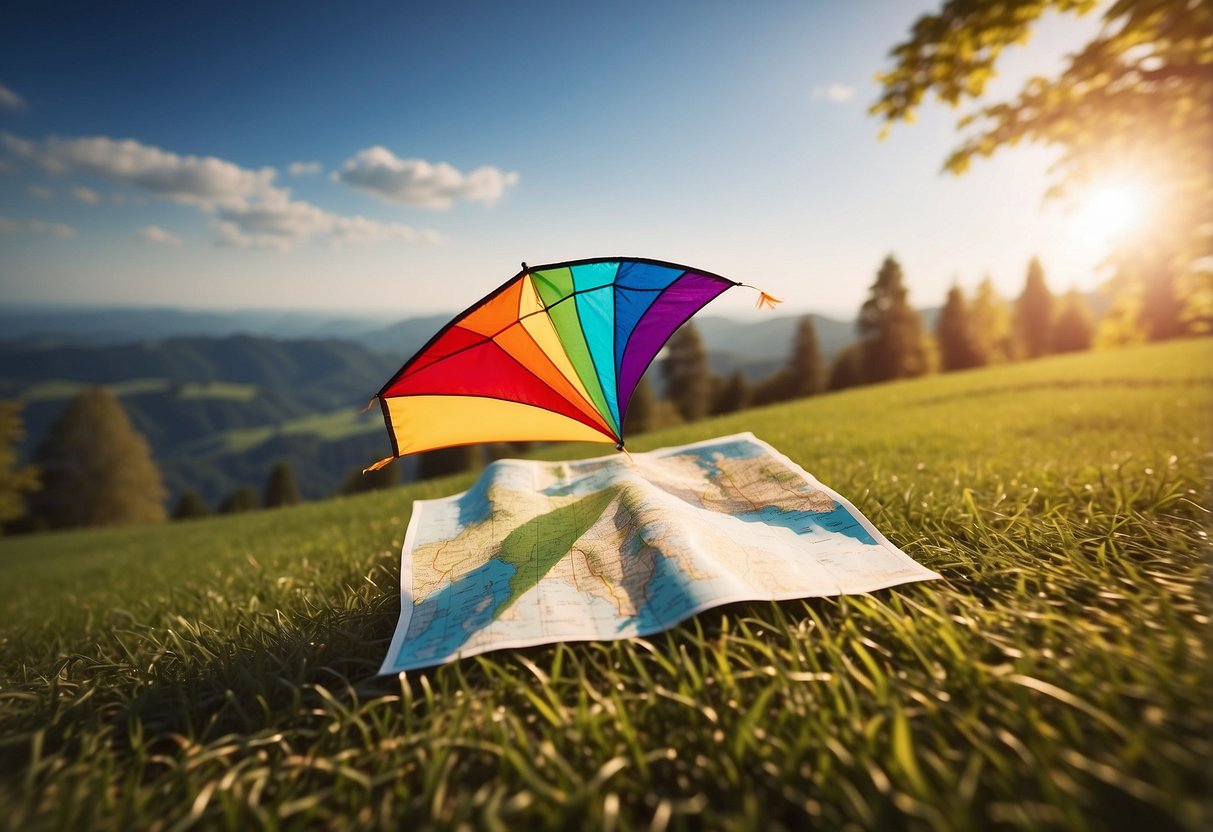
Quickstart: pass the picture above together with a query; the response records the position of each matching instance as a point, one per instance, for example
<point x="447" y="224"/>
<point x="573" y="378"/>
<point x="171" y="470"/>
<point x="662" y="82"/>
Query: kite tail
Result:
<point x="765" y="301"/>
<point x="377" y="465"/>
<point x="369" y="405"/>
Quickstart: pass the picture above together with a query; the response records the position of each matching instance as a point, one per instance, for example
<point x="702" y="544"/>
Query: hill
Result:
<point x="220" y="672"/>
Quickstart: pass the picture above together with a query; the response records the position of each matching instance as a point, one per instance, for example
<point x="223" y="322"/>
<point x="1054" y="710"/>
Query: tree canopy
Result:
<point x="890" y="329"/>
<point x="97" y="470"/>
<point x="15" y="480"/>
<point x="1136" y="100"/>
<point x="688" y="379"/>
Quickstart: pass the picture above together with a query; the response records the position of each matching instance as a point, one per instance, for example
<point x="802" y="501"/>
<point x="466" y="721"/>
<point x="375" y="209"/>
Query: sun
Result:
<point x="1111" y="211"/>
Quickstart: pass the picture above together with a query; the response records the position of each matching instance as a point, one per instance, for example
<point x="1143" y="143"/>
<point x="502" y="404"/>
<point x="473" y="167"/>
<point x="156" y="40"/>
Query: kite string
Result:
<point x="765" y="301"/>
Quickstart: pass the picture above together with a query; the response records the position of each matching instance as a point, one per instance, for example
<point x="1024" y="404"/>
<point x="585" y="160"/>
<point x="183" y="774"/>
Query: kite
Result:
<point x="552" y="354"/>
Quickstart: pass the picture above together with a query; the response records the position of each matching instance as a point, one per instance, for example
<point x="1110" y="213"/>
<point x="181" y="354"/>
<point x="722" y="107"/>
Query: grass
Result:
<point x="332" y="426"/>
<point x="220" y="673"/>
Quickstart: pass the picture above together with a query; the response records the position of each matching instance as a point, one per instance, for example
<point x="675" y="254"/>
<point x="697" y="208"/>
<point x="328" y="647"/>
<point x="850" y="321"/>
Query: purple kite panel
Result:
<point x="678" y="302"/>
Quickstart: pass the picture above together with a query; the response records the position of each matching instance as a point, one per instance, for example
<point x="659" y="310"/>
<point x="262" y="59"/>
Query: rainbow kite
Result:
<point x="554" y="353"/>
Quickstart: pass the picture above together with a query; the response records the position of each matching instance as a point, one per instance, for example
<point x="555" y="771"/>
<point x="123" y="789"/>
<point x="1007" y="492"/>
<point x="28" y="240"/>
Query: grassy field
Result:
<point x="220" y="673"/>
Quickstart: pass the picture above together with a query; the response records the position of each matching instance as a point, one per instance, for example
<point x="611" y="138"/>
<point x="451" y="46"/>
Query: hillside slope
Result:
<point x="220" y="672"/>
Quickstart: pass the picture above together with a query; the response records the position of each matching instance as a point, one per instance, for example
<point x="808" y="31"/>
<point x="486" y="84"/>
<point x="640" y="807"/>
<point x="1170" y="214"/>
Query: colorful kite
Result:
<point x="553" y="354"/>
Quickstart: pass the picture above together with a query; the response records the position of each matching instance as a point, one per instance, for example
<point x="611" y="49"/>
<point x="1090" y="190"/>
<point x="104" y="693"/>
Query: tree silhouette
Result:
<point x="993" y="338"/>
<point x="641" y="407"/>
<point x="1074" y="326"/>
<point x="806" y="376"/>
<point x="445" y="461"/>
<point x="96" y="469"/>
<point x="1034" y="313"/>
<point x="890" y="330"/>
<point x="356" y="482"/>
<point x="954" y="333"/>
<point x="239" y="501"/>
<point x="688" y="380"/>
<point x="846" y="370"/>
<point x="280" y="488"/>
<point x="731" y="394"/>
<point x="15" y="482"/>
<point x="191" y="506"/>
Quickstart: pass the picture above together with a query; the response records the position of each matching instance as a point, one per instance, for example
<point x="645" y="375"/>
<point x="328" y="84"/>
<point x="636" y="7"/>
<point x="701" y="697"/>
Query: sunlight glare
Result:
<point x="1110" y="211"/>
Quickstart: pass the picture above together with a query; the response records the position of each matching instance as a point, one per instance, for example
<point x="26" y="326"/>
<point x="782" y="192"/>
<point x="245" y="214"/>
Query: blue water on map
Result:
<point x="447" y="618"/>
<point x="666" y="599"/>
<point x="838" y="521"/>
<point x="737" y="449"/>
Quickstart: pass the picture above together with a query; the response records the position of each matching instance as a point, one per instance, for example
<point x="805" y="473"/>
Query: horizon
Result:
<point x="372" y="179"/>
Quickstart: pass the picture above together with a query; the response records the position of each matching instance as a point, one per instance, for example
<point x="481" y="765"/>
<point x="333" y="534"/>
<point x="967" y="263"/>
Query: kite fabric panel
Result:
<point x="555" y="353"/>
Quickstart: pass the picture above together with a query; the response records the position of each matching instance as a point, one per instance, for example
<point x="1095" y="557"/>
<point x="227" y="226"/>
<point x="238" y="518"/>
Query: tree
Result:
<point x="847" y="368"/>
<point x="1136" y="101"/>
<point x="1074" y="327"/>
<point x="639" y="416"/>
<point x="280" y="488"/>
<point x="97" y="470"/>
<point x="15" y="482"/>
<point x="357" y="482"/>
<point x="239" y="501"/>
<point x="954" y="332"/>
<point x="191" y="506"/>
<point x="1034" y="313"/>
<point x="890" y="330"/>
<point x="806" y="376"/>
<point x="688" y="380"/>
<point x="446" y="461"/>
<point x="731" y="394"/>
<point x="993" y="339"/>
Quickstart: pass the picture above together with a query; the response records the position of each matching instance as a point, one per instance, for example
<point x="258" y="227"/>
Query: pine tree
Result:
<point x="847" y="368"/>
<point x="1034" y="313"/>
<point x="15" y="482"/>
<point x="191" y="506"/>
<point x="239" y="501"/>
<point x="356" y="482"/>
<point x="732" y="394"/>
<point x="445" y="461"/>
<point x="639" y="416"/>
<point x="688" y="380"/>
<point x="280" y="488"/>
<point x="97" y="470"/>
<point x="954" y="332"/>
<point x="993" y="340"/>
<point x="806" y="376"/>
<point x="890" y="330"/>
<point x="1075" y="326"/>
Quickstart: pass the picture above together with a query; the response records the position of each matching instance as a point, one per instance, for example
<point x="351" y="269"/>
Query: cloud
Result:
<point x="250" y="210"/>
<point x="379" y="172"/>
<point x="156" y="234"/>
<point x="85" y="195"/>
<point x="9" y="100"/>
<point x="55" y="229"/>
<point x="305" y="168"/>
<point x="204" y="181"/>
<point x="279" y="223"/>
<point x="834" y="91"/>
<point x="39" y="192"/>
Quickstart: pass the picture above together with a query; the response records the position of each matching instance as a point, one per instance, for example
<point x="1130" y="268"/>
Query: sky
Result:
<point x="401" y="158"/>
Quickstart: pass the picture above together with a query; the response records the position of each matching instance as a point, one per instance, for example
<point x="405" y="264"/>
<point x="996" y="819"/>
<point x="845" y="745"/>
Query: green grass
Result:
<point x="60" y="389"/>
<point x="331" y="427"/>
<point x="220" y="673"/>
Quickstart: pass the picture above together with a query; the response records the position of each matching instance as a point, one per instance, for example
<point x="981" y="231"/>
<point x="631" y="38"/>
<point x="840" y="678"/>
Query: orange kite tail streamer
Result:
<point x="380" y="464"/>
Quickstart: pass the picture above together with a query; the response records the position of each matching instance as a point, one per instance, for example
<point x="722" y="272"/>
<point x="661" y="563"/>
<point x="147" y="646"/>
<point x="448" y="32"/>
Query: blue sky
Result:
<point x="147" y="151"/>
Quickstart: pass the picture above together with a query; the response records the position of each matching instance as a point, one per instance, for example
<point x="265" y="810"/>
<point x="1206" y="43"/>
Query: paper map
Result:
<point x="609" y="548"/>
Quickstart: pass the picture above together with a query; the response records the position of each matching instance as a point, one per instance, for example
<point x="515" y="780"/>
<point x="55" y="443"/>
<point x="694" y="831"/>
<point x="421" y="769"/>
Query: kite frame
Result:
<point x="387" y="419"/>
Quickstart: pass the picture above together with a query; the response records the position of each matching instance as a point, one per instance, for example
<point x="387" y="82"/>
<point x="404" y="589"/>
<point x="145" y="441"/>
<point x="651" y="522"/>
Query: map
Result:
<point x="614" y="547"/>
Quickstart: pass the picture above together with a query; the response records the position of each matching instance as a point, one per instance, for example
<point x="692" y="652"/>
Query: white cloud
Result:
<point x="834" y="91"/>
<point x="250" y="210"/>
<point x="86" y="195"/>
<point x="55" y="229"/>
<point x="204" y="181"/>
<point x="379" y="172"/>
<point x="39" y="192"/>
<point x="305" y="168"/>
<point x="9" y="100"/>
<point x="279" y="223"/>
<point x="156" y="234"/>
